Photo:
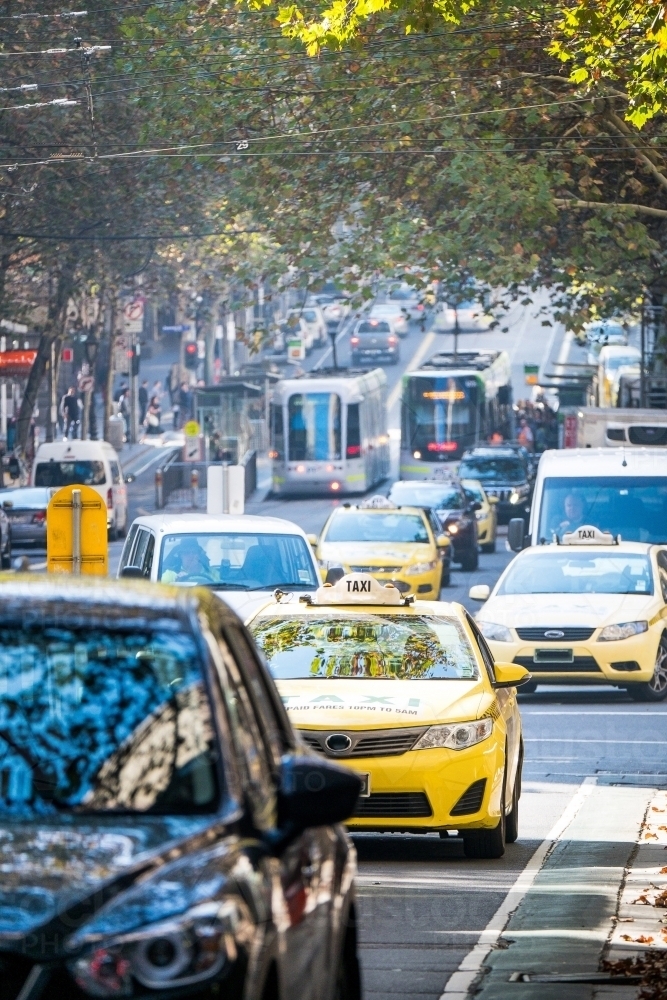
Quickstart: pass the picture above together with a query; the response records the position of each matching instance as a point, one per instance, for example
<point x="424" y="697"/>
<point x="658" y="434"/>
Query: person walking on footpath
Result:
<point x="143" y="400"/>
<point x="69" y="408"/>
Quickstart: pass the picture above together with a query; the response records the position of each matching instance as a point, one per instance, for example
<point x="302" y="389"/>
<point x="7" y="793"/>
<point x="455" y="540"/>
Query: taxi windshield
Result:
<point x="379" y="646"/>
<point x="367" y="526"/>
<point x="439" y="497"/>
<point x="99" y="719"/>
<point x="567" y="572"/>
<point x="237" y="561"/>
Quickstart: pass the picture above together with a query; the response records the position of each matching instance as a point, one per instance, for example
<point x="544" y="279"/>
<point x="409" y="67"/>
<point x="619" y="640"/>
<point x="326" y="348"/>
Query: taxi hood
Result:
<point x="379" y="704"/>
<point x="565" y="609"/>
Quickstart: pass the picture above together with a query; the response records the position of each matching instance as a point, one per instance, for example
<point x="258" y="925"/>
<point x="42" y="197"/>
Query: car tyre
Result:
<point x="489" y="546"/>
<point x="656" y="688"/>
<point x="486" y="844"/>
<point x="348" y="979"/>
<point x="446" y="577"/>
<point x="6" y="561"/>
<point x="512" y="818"/>
<point x="470" y="561"/>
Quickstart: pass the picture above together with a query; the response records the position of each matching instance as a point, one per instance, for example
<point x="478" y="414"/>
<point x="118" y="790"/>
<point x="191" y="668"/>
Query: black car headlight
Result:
<point x="186" y="950"/>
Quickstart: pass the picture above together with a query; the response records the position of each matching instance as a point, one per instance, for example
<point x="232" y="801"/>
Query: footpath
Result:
<point x="588" y="919"/>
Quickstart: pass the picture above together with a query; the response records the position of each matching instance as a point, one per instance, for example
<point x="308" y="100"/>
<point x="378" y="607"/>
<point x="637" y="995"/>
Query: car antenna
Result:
<point x="624" y="463"/>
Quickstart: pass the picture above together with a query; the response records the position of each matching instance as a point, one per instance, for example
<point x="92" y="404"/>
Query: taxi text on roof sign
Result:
<point x="588" y="534"/>
<point x="358" y="588"/>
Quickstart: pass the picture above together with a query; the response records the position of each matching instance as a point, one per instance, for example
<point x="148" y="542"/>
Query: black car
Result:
<point x="162" y="831"/>
<point x="503" y="472"/>
<point x="454" y="508"/>
<point x="374" y="340"/>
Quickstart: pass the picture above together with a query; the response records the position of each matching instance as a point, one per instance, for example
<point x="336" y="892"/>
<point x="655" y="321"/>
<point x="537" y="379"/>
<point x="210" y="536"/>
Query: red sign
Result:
<point x="16" y="362"/>
<point x="67" y="354"/>
<point x="570" y="426"/>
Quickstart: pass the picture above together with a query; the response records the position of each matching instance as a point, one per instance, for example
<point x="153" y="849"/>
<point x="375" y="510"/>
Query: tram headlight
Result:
<point x="416" y="454"/>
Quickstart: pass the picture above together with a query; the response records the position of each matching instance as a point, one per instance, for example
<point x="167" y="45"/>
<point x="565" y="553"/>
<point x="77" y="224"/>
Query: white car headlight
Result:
<point x="613" y="632"/>
<point x="456" y="736"/>
<point x="416" y="569"/>
<point x="499" y="633"/>
<point x="184" y="951"/>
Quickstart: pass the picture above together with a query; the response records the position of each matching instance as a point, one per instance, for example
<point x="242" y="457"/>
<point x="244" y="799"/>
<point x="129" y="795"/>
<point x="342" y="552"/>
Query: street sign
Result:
<point x="67" y="354"/>
<point x="16" y="362"/>
<point x="86" y="383"/>
<point x="296" y="349"/>
<point x="76" y="532"/>
<point x="183" y="328"/>
<point x="133" y="316"/>
<point x="194" y="448"/>
<point x="191" y="428"/>
<point x="531" y="374"/>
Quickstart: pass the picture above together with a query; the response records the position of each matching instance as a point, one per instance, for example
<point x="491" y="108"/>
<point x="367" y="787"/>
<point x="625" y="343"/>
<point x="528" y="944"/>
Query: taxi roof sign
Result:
<point x="588" y="534"/>
<point x="377" y="502"/>
<point x="359" y="588"/>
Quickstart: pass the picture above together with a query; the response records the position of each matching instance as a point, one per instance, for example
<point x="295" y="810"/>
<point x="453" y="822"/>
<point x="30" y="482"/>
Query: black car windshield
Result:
<point x="367" y="526"/>
<point x="438" y="497"/>
<point x="493" y="468"/>
<point x="382" y="646"/>
<point x="567" y="572"/>
<point x="237" y="561"/>
<point x="70" y="473"/>
<point x="634" y="507"/>
<point x="97" y="719"/>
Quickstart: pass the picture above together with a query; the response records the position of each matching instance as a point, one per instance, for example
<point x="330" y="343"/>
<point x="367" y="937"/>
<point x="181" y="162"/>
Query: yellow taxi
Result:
<point x="487" y="515"/>
<point x="405" y="546"/>
<point x="406" y="693"/>
<point x="588" y="609"/>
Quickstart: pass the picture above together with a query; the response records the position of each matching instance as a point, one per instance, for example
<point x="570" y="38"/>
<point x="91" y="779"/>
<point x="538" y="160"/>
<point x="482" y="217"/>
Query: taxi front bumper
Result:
<point x="432" y="783"/>
<point x="626" y="661"/>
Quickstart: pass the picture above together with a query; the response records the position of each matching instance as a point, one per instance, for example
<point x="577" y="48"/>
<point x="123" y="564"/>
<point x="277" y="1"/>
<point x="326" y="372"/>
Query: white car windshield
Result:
<point x="382" y="646"/>
<point x="237" y="561"/>
<point x="567" y="572"/>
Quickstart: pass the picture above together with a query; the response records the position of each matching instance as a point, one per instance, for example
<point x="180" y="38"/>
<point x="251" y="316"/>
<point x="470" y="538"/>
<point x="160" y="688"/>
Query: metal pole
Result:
<point x="456" y="331"/>
<point x="642" y="376"/>
<point x="159" y="482"/>
<point x="133" y="392"/>
<point x="194" y="486"/>
<point x="76" y="532"/>
<point x="3" y="410"/>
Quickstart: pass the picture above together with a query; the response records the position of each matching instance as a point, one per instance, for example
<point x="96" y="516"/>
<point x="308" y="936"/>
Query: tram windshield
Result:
<point x="314" y="422"/>
<point x="440" y="413"/>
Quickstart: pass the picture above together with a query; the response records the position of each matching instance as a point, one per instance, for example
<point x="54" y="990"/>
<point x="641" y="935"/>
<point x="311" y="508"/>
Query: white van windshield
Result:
<point x="634" y="507"/>
<point x="70" y="473"/>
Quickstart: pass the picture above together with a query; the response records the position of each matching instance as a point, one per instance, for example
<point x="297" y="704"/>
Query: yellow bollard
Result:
<point x="76" y="532"/>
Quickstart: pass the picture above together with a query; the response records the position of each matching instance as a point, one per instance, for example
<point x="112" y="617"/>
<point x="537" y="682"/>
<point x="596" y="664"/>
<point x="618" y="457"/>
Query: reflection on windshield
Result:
<point x="416" y="496"/>
<point x="96" y="719"/>
<point x="364" y="526"/>
<point x="578" y="573"/>
<point x="237" y="561"/>
<point x="634" y="507"/>
<point x="362" y="646"/>
<point x="70" y="473"/>
<point x="492" y="469"/>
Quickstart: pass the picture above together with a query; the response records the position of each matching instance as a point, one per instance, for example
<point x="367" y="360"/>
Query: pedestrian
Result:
<point x="119" y="393"/>
<point x="125" y="410"/>
<point x="143" y="400"/>
<point x="525" y="436"/>
<point x="69" y="409"/>
<point x="153" y="416"/>
<point x="185" y="402"/>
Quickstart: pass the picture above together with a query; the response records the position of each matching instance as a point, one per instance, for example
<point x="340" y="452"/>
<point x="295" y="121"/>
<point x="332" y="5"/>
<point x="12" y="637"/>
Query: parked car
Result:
<point x="376" y="341"/>
<point x="26" y="508"/>
<point x="162" y="831"/>
<point x="455" y="511"/>
<point x="89" y="463"/>
<point x="504" y="474"/>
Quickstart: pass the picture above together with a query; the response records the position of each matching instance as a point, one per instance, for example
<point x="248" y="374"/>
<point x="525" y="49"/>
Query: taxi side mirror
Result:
<point x="312" y="540"/>
<point x="492" y="500"/>
<point x="443" y="541"/>
<point x="510" y="675"/>
<point x="475" y="505"/>
<point x="480" y="592"/>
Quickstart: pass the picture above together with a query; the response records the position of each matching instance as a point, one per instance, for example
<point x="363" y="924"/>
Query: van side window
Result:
<point x="116" y="477"/>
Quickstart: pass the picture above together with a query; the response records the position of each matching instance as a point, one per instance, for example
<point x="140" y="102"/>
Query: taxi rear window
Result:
<point x="382" y="646"/>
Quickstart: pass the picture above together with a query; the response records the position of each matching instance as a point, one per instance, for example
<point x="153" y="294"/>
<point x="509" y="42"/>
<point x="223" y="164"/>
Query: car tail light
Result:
<point x="354" y="340"/>
<point x="420" y="306"/>
<point x="110" y="498"/>
<point x="39" y="517"/>
<point x="393" y="340"/>
<point x="442" y="445"/>
<point x="353" y="450"/>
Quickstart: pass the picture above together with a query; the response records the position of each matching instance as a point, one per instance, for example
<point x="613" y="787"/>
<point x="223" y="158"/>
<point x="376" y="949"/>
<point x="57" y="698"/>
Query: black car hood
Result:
<point x="52" y="865"/>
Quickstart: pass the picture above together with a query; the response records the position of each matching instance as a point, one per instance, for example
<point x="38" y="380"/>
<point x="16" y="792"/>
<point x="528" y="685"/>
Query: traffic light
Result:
<point x="134" y="356"/>
<point x="191" y="354"/>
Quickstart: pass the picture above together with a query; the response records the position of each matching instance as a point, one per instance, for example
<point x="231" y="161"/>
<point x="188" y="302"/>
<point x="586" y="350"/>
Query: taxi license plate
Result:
<point x="553" y="656"/>
<point x="365" y="785"/>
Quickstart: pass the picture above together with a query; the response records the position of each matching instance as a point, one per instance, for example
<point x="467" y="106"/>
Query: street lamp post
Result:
<point x="456" y="330"/>
<point x="332" y="335"/>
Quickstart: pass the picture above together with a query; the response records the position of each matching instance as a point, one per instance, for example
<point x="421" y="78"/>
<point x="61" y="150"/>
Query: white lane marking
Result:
<point x="460" y="981"/>
<point x="571" y="739"/>
<point x="151" y="461"/>
<point x="413" y="363"/>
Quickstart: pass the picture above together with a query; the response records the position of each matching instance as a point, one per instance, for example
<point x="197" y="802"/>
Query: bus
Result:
<point x="329" y="432"/>
<point x="453" y="402"/>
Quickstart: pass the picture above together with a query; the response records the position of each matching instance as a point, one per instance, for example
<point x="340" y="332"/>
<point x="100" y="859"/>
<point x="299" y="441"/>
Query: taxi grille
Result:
<point x="394" y="805"/>
<point x="376" y="743"/>
<point x="578" y="665"/>
<point x="375" y="569"/>
<point x="544" y="634"/>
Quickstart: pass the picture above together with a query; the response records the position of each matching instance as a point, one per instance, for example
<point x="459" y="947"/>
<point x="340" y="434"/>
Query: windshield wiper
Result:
<point x="228" y="586"/>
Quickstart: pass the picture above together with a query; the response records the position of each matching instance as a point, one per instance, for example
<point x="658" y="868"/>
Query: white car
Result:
<point x="615" y="360"/>
<point x="244" y="559"/>
<point x="333" y="309"/>
<point x="86" y="463"/>
<point x="392" y="312"/>
<point x="312" y="318"/>
<point x="472" y="317"/>
<point x="409" y="299"/>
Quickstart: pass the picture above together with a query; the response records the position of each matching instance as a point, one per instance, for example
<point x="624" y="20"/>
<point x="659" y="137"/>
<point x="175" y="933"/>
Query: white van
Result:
<point x="621" y="490"/>
<point x="86" y="463"/>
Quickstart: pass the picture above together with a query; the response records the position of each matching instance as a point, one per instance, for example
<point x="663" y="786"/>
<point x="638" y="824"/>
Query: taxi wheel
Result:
<point x="470" y="561"/>
<point x="487" y="844"/>
<point x="489" y="546"/>
<point x="656" y="689"/>
<point x="446" y="578"/>
<point x="512" y="818"/>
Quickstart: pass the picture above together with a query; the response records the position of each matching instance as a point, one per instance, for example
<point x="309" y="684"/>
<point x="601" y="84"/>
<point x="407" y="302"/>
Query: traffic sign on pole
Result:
<point x="76" y="532"/>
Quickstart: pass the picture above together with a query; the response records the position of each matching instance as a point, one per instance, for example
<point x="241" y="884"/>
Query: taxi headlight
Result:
<point x="187" y="950"/>
<point x="457" y="736"/>
<point x="499" y="633"/>
<point x="613" y="632"/>
<point x="416" y="569"/>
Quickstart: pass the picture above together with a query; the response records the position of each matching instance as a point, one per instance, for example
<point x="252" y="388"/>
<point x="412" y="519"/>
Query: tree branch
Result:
<point x="625" y="206"/>
<point x="649" y="162"/>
